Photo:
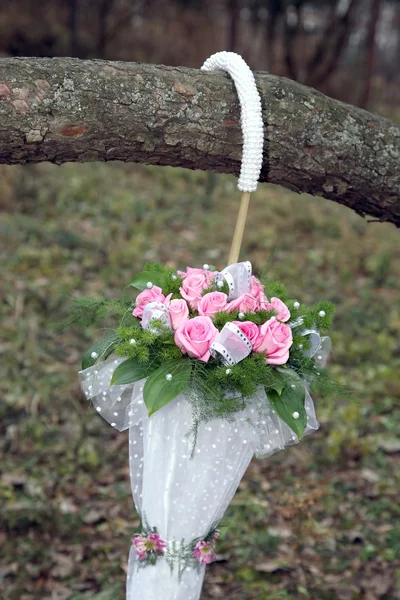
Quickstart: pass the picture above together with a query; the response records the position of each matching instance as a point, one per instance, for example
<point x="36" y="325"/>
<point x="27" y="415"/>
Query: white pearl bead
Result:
<point x="301" y="346"/>
<point x="220" y="283"/>
<point x="173" y="276"/>
<point x="228" y="371"/>
<point x="94" y="355"/>
<point x="168" y="377"/>
<point x="293" y="386"/>
<point x="206" y="266"/>
<point x="296" y="304"/>
<point x="319" y="357"/>
<point x="132" y="341"/>
<point x="295" y="415"/>
<point x="241" y="315"/>
<point x="149" y="285"/>
<point x="322" y="313"/>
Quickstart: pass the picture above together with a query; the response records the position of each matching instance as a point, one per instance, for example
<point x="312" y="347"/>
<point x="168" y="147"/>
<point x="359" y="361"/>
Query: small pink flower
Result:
<point x="204" y="552"/>
<point x="274" y="341"/>
<point x="256" y="288"/>
<point x="215" y="536"/>
<point x="212" y="303"/>
<point x="153" y="295"/>
<point x="139" y="543"/>
<point x="145" y="544"/>
<point x="178" y="312"/>
<point x="195" y="337"/>
<point x="282" y="312"/>
<point x="194" y="284"/>
<point x="250" y="330"/>
<point x="245" y="303"/>
<point x="156" y="543"/>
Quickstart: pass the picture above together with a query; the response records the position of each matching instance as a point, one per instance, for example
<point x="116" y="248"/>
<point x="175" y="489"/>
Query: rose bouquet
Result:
<point x="218" y="337"/>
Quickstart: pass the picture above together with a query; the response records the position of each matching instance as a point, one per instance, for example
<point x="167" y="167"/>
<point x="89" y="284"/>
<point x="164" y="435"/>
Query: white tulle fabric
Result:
<point x="123" y="406"/>
<point x="182" y="496"/>
<point x="250" y="117"/>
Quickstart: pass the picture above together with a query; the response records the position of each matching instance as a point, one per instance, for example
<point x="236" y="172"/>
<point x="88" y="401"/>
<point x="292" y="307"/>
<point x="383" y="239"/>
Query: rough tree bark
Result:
<point x="64" y="109"/>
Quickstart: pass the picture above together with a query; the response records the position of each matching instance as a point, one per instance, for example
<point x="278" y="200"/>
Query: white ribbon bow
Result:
<point x="238" y="278"/>
<point x="232" y="344"/>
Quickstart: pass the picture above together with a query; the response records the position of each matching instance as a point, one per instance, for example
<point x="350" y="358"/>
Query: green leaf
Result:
<point x="103" y="349"/>
<point x="141" y="280"/>
<point x="290" y="401"/>
<point x="129" y="371"/>
<point x="158" y="391"/>
<point x="278" y="382"/>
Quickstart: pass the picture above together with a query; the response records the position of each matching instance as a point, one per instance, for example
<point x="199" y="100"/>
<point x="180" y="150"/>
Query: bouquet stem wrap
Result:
<point x="181" y="492"/>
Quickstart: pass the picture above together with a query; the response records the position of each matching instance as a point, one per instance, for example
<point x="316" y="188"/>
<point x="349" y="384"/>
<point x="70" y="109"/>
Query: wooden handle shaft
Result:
<point x="239" y="229"/>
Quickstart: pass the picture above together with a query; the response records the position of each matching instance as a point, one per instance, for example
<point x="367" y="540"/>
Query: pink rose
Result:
<point x="245" y="303"/>
<point x="178" y="312"/>
<point x="153" y="295"/>
<point x="190" y="271"/>
<point x="194" y="284"/>
<point x="195" y="337"/>
<point x="274" y="341"/>
<point x="256" y="288"/>
<point x="249" y="329"/>
<point x="282" y="312"/>
<point x="212" y="303"/>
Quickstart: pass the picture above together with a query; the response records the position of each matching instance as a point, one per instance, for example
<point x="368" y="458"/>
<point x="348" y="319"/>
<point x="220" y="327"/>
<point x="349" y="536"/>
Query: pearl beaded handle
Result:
<point x="252" y="130"/>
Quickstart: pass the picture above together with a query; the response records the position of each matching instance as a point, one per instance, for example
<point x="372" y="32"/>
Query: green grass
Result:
<point x="318" y="521"/>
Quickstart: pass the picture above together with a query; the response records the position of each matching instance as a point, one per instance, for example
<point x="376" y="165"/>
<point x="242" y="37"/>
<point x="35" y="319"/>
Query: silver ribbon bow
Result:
<point x="238" y="277"/>
<point x="156" y="311"/>
<point x="320" y="347"/>
<point x="232" y="344"/>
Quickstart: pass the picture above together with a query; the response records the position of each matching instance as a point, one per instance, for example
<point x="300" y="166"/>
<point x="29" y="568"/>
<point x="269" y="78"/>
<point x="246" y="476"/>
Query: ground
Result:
<point x="319" y="521"/>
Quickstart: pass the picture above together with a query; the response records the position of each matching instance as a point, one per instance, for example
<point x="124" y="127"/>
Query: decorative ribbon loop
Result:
<point x="323" y="351"/>
<point x="232" y="344"/>
<point x="320" y="346"/>
<point x="156" y="311"/>
<point x="238" y="277"/>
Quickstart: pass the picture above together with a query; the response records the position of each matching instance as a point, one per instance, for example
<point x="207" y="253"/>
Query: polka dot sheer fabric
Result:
<point x="181" y="495"/>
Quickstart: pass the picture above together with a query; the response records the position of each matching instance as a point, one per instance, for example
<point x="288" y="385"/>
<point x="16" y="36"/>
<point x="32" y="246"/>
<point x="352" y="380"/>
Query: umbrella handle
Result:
<point x="252" y="131"/>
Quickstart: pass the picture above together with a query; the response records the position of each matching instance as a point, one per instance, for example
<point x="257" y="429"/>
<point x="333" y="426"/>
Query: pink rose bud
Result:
<point x="194" y="284"/>
<point x="195" y="337"/>
<point x="250" y="330"/>
<point x="212" y="303"/>
<point x="178" y="312"/>
<point x="282" y="312"/>
<point x="274" y="341"/>
<point x="153" y="295"/>
<point x="190" y="271"/>
<point x="245" y="303"/>
<point x="256" y="288"/>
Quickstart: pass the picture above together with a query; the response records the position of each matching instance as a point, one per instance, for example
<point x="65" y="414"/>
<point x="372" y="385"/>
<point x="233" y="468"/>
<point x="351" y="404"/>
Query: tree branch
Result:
<point x="64" y="109"/>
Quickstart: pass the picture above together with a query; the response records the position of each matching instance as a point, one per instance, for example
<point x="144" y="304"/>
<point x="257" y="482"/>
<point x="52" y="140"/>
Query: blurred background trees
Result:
<point x="349" y="49"/>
